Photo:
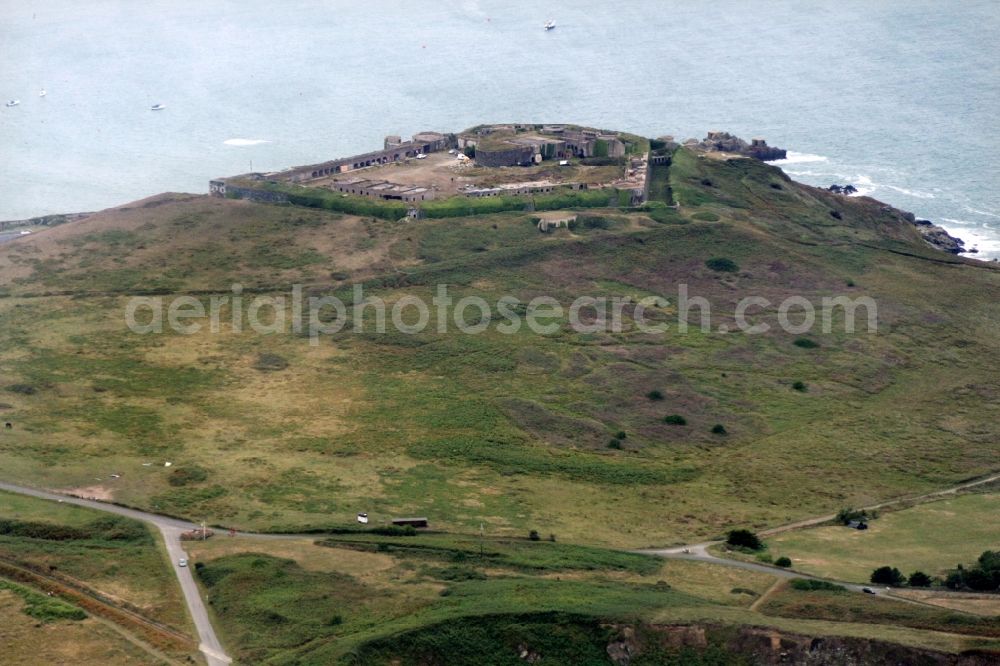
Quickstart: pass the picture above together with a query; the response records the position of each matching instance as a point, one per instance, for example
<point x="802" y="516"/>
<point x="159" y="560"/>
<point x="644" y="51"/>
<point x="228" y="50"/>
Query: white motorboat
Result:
<point x="158" y="107"/>
<point x="42" y="93"/>
<point x="13" y="102"/>
<point x="550" y="25"/>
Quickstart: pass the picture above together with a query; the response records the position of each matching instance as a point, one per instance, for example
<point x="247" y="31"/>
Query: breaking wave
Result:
<point x="245" y="142"/>
<point x="799" y="158"/>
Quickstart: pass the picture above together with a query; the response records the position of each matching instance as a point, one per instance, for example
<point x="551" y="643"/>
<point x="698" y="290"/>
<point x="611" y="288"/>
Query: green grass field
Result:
<point x="931" y="537"/>
<point x="26" y="640"/>
<point x="373" y="600"/>
<point x="565" y="433"/>
<point x="508" y="431"/>
<point x="843" y="606"/>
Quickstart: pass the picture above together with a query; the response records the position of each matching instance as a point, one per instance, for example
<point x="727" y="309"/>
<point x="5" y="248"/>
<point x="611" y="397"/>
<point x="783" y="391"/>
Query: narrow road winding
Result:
<point x="211" y="647"/>
<point x="171" y="529"/>
<point x="698" y="552"/>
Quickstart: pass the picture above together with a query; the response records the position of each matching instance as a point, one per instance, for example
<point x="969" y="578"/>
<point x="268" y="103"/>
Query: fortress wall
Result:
<point x="250" y="194"/>
<point x="428" y="142"/>
<point x="504" y="157"/>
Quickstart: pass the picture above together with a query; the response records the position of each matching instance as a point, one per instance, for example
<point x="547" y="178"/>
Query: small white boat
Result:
<point x="13" y="102"/>
<point x="158" y="107"/>
<point x="42" y="93"/>
<point x="550" y="25"/>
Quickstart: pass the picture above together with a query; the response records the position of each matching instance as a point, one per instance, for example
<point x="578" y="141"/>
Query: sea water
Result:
<point x="899" y="99"/>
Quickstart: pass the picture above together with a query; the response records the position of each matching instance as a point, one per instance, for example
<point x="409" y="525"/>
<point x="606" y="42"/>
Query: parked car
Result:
<point x="868" y="590"/>
<point x="182" y="562"/>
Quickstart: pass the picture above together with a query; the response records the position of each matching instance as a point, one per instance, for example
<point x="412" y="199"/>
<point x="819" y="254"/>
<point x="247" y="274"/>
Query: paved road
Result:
<point x="171" y="529"/>
<point x="210" y="646"/>
<point x="698" y="552"/>
<point x="819" y="520"/>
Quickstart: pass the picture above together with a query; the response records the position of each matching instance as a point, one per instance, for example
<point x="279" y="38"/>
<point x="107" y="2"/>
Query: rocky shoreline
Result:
<point x="933" y="234"/>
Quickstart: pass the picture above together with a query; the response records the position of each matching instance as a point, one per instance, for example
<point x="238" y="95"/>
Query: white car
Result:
<point x="182" y="562"/>
<point x="421" y="156"/>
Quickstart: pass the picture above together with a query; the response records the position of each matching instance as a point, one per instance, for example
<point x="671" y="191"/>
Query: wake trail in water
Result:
<point x="245" y="142"/>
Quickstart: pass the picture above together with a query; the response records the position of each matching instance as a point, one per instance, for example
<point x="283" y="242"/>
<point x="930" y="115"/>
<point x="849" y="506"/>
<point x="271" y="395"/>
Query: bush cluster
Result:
<point x="722" y="265"/>
<point x="744" y="539"/>
<point x="809" y="585"/>
<point x="983" y="576"/>
<point x="892" y="576"/>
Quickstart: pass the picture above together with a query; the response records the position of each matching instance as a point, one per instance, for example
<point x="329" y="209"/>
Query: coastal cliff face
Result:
<point x="769" y="646"/>
<point x="931" y="233"/>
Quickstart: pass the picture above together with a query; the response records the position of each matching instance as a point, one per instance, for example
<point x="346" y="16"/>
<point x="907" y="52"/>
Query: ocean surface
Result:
<point x="899" y="98"/>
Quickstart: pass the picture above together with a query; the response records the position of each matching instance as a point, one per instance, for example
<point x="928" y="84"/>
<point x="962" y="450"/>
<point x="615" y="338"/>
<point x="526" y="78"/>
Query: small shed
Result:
<point x="412" y="522"/>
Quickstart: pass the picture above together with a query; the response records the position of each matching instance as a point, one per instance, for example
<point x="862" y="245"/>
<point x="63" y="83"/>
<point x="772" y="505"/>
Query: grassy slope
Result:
<point x="509" y="431"/>
<point x="280" y="602"/>
<point x="842" y="606"/>
<point x="27" y="641"/>
<point x="131" y="571"/>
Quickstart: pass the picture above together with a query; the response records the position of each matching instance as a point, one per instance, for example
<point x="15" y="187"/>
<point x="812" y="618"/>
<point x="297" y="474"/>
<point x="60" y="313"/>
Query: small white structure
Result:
<point x="167" y="464"/>
<point x="363" y="518"/>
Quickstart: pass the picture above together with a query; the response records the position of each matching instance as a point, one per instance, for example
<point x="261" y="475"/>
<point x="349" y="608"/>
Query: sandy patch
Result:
<point x="92" y="492"/>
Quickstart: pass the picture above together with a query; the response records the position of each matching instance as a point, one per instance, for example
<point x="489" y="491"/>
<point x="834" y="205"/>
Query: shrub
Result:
<point x="37" y="530"/>
<point x="182" y="476"/>
<point x="919" y="579"/>
<point x="395" y="530"/>
<point x="44" y="608"/>
<point x="270" y="362"/>
<point x="800" y="387"/>
<point x="809" y="585"/>
<point x="783" y="561"/>
<point x="705" y="216"/>
<point x="982" y="576"/>
<point x="621" y="435"/>
<point x="533" y="535"/>
<point x="744" y="539"/>
<point x="805" y="343"/>
<point x="722" y="265"/>
<point x="845" y="516"/>
<point x="835" y="214"/>
<point x="23" y="389"/>
<point x="594" y="222"/>
<point x="655" y="394"/>
<point x="719" y="429"/>
<point x="675" y="419"/>
<point x="615" y="444"/>
<point x="887" y="576"/>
